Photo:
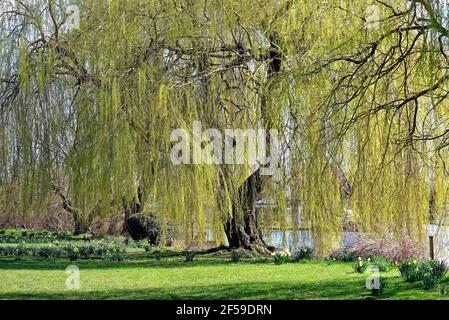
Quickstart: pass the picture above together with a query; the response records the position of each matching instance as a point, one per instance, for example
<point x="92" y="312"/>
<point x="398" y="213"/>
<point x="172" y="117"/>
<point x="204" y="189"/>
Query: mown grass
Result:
<point x="209" y="276"/>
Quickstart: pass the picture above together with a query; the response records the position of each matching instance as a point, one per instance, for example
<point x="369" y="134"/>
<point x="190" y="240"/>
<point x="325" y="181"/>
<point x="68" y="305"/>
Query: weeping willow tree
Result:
<point x="382" y="114"/>
<point x="87" y="113"/>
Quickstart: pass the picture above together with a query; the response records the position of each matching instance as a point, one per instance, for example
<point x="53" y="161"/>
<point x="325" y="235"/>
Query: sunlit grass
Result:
<point x="210" y="276"/>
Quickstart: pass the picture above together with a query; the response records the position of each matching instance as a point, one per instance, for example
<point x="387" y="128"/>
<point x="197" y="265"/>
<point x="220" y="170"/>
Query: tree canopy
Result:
<point x="356" y="90"/>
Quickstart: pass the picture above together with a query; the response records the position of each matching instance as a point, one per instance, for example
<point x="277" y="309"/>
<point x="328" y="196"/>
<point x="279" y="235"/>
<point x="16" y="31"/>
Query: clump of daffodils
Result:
<point x="361" y="265"/>
<point x="285" y="253"/>
<point x="411" y="270"/>
<point x="281" y="257"/>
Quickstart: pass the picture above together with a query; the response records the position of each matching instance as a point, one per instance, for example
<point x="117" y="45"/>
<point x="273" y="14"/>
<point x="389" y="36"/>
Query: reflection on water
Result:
<point x="290" y="239"/>
<point x="295" y="239"/>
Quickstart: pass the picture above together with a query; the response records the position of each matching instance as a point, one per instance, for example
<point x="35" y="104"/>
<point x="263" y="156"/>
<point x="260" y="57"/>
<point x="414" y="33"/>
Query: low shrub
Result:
<point x="390" y="246"/>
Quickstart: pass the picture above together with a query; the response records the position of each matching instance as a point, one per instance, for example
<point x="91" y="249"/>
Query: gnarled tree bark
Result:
<point x="249" y="236"/>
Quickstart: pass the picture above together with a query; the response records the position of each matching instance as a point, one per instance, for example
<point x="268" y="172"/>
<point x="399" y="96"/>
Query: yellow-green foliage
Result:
<point x="96" y="106"/>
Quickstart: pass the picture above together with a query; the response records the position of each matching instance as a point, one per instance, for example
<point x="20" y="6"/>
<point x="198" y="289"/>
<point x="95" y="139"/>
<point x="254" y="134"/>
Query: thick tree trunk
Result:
<point x="249" y="235"/>
<point x="246" y="233"/>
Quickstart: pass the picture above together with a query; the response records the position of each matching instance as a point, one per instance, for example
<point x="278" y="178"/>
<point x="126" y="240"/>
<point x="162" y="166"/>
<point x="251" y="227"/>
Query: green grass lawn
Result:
<point x="210" y="276"/>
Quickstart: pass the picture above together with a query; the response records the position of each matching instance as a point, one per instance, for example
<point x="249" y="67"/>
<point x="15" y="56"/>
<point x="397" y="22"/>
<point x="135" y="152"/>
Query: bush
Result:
<point x="361" y="265"/>
<point x="390" y="246"/>
<point x="141" y="226"/>
<point x="305" y="253"/>
<point x="281" y="257"/>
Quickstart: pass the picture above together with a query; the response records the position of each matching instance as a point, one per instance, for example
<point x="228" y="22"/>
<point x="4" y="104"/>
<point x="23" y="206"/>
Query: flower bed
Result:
<point x="67" y="249"/>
